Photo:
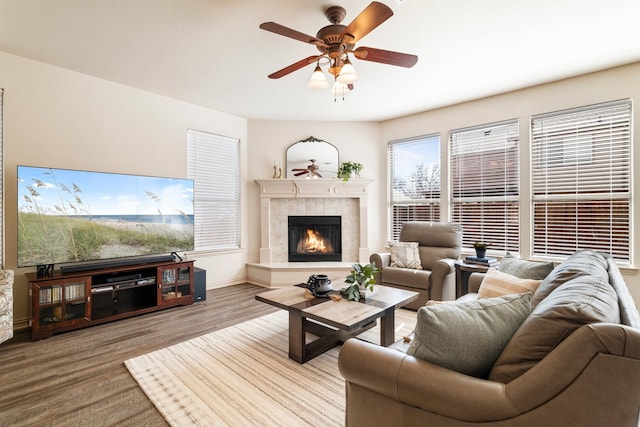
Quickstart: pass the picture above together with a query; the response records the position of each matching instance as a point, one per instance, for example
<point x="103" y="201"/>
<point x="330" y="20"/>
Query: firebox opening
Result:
<point x="315" y="238"/>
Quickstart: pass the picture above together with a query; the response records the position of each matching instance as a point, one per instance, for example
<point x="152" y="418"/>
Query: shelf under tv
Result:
<point x="89" y="297"/>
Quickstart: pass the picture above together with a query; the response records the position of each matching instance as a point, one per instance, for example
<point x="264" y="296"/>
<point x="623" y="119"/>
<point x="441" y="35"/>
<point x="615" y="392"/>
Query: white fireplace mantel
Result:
<point x="272" y="188"/>
<point x="355" y="189"/>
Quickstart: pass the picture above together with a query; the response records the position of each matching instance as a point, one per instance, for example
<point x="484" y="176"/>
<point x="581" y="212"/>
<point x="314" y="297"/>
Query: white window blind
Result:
<point x="485" y="184"/>
<point x="581" y="172"/>
<point x="214" y="165"/>
<point x="414" y="181"/>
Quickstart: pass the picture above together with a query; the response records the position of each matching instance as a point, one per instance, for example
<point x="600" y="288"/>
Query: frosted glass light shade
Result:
<point x="340" y="89"/>
<point x="318" y="79"/>
<point x="347" y="74"/>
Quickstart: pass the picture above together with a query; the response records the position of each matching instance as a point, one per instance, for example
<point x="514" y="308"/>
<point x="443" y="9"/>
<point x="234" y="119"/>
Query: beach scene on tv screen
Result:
<point x="71" y="216"/>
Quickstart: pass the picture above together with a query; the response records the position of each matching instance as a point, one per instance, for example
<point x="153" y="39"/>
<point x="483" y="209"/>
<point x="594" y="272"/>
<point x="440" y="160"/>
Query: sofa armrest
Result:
<point x="597" y="360"/>
<point x="422" y="384"/>
<point x="474" y="282"/>
<point x="381" y="260"/>
<point x="6" y="304"/>
<point x="442" y="274"/>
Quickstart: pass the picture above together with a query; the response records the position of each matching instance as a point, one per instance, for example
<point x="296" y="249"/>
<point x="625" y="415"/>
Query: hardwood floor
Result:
<point x="78" y="378"/>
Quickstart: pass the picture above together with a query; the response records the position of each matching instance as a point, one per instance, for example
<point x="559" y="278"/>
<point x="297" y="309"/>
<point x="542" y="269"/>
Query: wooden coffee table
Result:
<point x="333" y="322"/>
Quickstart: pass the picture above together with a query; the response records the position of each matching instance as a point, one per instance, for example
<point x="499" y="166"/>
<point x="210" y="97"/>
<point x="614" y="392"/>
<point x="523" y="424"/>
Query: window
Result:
<point x="214" y="165"/>
<point x="485" y="184"/>
<point x="414" y="181"/>
<point x="581" y="171"/>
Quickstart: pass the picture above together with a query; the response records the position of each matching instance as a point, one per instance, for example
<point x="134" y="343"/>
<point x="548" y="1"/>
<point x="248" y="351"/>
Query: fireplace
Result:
<point x="315" y="238"/>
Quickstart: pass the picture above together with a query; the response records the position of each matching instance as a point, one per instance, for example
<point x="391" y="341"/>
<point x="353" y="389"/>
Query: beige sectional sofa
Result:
<point x="574" y="361"/>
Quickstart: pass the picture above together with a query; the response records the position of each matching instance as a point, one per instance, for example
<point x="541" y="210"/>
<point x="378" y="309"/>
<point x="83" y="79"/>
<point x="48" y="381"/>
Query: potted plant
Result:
<point x="348" y="170"/>
<point x="362" y="277"/>
<point x="481" y="249"/>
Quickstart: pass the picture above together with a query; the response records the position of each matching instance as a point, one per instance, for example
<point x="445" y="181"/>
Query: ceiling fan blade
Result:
<point x="294" y="67"/>
<point x="293" y="34"/>
<point x="300" y="173"/>
<point x="372" y="16"/>
<point x="386" y="56"/>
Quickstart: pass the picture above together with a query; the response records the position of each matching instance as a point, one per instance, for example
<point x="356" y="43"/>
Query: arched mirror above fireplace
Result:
<point x="312" y="158"/>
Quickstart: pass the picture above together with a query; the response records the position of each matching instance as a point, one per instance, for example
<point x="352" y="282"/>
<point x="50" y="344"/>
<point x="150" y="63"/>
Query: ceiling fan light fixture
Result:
<point x="348" y="73"/>
<point x="318" y="79"/>
<point x="335" y="41"/>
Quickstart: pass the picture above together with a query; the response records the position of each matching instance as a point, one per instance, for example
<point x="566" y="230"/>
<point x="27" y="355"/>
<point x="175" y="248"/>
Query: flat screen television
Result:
<point x="72" y="216"/>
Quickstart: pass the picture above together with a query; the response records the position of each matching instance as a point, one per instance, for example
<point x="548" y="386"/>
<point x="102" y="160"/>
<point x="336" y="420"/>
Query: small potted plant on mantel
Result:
<point x="481" y="249"/>
<point x="347" y="170"/>
<point x="362" y="277"/>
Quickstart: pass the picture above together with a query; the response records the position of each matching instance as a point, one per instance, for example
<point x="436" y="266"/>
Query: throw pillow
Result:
<point x="581" y="263"/>
<point x="468" y="337"/>
<point x="497" y="283"/>
<point x="405" y="255"/>
<point x="525" y="269"/>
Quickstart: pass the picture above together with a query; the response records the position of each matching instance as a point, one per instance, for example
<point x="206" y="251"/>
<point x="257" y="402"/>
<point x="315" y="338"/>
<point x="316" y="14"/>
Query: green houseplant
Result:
<point x="361" y="278"/>
<point x="349" y="169"/>
<point x="481" y="248"/>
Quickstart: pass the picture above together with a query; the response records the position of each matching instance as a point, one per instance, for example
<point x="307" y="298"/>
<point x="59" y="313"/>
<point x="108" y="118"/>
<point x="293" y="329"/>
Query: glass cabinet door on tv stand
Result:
<point x="60" y="304"/>
<point x="175" y="283"/>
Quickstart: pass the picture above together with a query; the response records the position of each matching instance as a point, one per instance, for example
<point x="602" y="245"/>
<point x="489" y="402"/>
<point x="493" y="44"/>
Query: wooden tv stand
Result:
<point x="66" y="301"/>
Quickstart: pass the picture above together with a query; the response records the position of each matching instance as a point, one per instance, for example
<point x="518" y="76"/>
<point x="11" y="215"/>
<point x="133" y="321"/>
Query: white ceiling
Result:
<point x="212" y="53"/>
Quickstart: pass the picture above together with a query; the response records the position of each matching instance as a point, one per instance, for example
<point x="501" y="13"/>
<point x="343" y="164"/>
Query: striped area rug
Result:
<point x="242" y="375"/>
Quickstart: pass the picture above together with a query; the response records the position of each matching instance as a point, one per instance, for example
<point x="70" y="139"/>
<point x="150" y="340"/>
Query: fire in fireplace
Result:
<point x="315" y="238"/>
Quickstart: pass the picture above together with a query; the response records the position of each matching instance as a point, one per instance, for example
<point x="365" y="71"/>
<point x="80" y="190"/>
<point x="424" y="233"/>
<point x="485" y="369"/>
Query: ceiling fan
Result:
<point x="312" y="170"/>
<point x="336" y="41"/>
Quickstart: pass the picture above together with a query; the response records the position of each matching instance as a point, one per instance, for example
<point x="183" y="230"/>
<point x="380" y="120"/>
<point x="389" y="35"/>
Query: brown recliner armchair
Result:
<point x="439" y="245"/>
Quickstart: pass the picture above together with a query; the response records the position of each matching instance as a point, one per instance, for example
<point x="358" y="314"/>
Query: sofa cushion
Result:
<point x="406" y="277"/>
<point x="468" y="336"/>
<point x="525" y="269"/>
<point x="405" y="255"/>
<point x="497" y="283"/>
<point x="581" y="263"/>
<point x="581" y="300"/>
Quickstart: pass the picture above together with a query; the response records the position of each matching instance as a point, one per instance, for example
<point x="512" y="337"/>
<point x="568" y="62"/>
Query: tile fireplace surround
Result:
<point x="280" y="198"/>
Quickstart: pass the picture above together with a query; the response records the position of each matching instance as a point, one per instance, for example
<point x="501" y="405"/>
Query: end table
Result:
<point x="463" y="271"/>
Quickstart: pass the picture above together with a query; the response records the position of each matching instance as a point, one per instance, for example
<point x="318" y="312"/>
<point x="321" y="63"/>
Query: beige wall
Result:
<point x="613" y="84"/>
<point x="58" y="118"/>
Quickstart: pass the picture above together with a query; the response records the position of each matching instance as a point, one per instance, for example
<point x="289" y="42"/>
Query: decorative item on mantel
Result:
<point x="277" y="170"/>
<point x="362" y="277"/>
<point x="348" y="170"/>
